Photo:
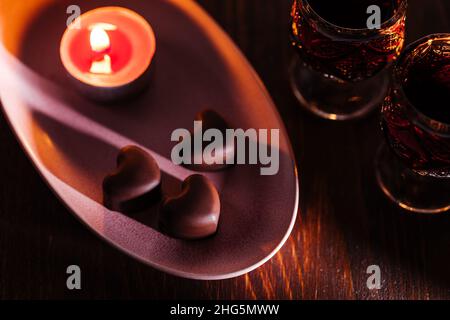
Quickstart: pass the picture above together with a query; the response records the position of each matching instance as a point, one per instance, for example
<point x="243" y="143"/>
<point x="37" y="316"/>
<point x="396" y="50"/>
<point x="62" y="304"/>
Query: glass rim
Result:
<point x="401" y="12"/>
<point x="398" y="83"/>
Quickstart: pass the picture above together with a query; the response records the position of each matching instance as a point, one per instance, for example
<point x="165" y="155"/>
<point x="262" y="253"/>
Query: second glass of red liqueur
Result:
<point x="343" y="48"/>
<point x="414" y="169"/>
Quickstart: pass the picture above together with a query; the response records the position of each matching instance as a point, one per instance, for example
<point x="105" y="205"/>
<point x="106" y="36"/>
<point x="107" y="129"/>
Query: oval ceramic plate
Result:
<point x="73" y="143"/>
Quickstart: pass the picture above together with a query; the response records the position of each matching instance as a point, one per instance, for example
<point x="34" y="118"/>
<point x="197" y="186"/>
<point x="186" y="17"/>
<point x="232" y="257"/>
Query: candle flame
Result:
<point x="100" y="43"/>
<point x="99" y="39"/>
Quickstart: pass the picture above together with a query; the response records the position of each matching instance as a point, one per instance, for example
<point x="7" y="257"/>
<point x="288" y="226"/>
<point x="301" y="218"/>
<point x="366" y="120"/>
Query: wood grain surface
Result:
<point x="345" y="224"/>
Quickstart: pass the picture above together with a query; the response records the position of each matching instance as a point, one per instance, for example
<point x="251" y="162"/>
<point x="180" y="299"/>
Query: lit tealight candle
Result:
<point x="109" y="57"/>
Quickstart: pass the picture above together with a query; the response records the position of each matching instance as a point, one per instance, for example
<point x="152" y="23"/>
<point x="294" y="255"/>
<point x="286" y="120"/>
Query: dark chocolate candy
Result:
<point x="212" y="120"/>
<point x="135" y="184"/>
<point x="194" y="213"/>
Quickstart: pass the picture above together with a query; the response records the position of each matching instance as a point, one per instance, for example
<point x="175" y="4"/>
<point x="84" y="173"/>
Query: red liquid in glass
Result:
<point x="356" y="55"/>
<point x="417" y="125"/>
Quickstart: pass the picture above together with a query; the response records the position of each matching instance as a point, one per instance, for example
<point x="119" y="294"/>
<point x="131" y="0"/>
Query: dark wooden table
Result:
<point x="345" y="223"/>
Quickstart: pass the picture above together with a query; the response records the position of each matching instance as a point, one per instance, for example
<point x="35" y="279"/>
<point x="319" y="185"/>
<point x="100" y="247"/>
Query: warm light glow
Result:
<point x="104" y="26"/>
<point x="114" y="47"/>
<point x="99" y="39"/>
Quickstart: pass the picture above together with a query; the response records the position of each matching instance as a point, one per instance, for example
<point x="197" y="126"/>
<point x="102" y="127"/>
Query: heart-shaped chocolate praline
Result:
<point x="135" y="184"/>
<point x="194" y="213"/>
<point x="212" y="120"/>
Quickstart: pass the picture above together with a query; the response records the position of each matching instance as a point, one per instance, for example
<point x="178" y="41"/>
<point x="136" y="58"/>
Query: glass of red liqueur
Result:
<point x="414" y="169"/>
<point x="338" y="71"/>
